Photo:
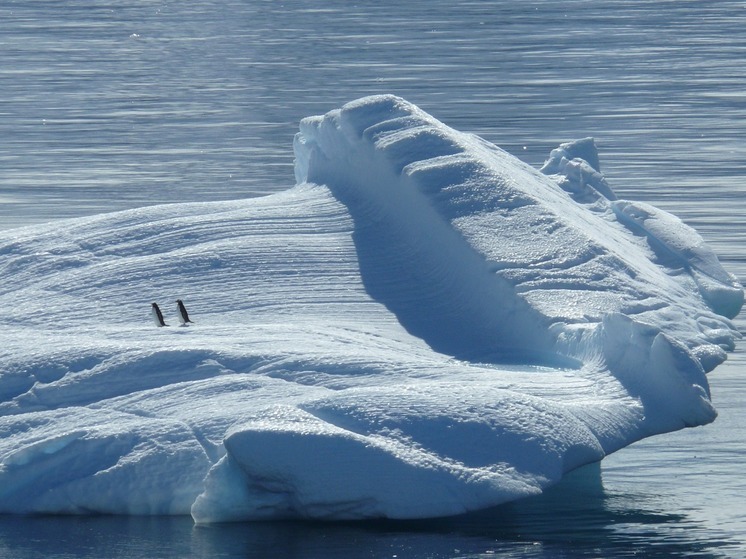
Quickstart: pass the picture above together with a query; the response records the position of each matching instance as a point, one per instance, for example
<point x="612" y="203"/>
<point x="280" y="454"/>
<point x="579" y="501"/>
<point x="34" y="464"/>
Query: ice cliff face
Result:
<point x="422" y="326"/>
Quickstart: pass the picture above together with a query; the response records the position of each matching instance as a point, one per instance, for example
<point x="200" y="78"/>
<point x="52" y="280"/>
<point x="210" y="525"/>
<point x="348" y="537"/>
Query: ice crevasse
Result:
<point x="422" y="326"/>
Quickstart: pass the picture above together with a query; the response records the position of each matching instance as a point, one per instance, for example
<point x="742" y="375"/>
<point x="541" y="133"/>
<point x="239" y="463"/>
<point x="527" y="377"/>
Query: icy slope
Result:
<point x="423" y="326"/>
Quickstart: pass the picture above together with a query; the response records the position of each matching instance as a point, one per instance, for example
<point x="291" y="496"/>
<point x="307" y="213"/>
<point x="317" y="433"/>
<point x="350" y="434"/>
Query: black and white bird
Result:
<point x="157" y="315"/>
<point x="183" y="314"/>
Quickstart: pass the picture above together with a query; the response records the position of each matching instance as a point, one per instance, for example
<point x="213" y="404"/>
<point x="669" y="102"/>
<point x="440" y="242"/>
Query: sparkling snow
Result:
<point x="422" y="326"/>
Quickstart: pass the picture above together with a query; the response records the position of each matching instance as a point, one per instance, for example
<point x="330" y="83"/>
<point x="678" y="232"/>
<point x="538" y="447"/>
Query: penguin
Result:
<point x="183" y="315"/>
<point x="157" y="315"/>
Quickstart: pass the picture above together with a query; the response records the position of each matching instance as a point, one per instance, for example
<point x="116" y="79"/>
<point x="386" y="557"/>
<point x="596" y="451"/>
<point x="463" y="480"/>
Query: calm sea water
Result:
<point x="106" y="106"/>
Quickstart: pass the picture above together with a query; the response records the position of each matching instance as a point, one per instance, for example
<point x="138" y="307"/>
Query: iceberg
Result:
<point x="422" y="326"/>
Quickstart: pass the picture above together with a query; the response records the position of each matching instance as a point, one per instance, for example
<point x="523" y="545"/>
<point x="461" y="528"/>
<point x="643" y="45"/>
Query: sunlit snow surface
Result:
<point x="423" y="326"/>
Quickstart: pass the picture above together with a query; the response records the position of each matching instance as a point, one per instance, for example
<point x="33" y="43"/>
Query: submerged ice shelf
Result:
<point x="422" y="326"/>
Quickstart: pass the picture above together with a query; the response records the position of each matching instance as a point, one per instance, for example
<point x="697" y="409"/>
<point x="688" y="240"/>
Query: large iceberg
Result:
<point x="422" y="326"/>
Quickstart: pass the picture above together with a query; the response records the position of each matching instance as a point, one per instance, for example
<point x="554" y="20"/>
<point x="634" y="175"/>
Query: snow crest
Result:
<point x="421" y="327"/>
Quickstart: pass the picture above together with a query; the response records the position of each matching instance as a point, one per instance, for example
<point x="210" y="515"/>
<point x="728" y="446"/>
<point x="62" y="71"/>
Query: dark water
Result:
<point x="579" y="518"/>
<point x="106" y="106"/>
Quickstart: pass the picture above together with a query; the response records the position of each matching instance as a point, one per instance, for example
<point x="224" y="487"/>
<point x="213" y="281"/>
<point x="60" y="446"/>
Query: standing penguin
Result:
<point x="157" y="315"/>
<point x="183" y="315"/>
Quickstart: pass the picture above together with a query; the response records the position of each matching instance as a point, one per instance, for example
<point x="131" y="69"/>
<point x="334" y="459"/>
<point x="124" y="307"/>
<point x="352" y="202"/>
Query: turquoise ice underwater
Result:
<point x="685" y="162"/>
<point x="348" y="359"/>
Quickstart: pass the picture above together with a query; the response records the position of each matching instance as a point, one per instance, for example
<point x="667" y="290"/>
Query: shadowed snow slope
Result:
<point x="422" y="326"/>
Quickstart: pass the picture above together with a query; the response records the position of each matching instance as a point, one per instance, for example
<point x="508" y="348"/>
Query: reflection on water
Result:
<point x="577" y="518"/>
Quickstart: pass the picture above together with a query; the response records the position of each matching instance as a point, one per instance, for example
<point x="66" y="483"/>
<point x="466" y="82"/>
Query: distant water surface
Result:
<point x="106" y="106"/>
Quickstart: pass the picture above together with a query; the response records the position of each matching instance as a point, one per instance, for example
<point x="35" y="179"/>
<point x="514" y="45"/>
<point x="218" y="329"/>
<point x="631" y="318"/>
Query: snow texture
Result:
<point x="422" y="326"/>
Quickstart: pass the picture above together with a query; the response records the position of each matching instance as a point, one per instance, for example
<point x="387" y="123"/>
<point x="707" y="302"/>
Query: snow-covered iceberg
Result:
<point x="422" y="326"/>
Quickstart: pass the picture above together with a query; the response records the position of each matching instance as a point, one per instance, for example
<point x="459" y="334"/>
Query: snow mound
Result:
<point x="422" y="326"/>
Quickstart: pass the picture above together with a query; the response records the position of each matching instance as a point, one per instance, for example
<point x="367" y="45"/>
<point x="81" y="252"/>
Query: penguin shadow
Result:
<point x="182" y="314"/>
